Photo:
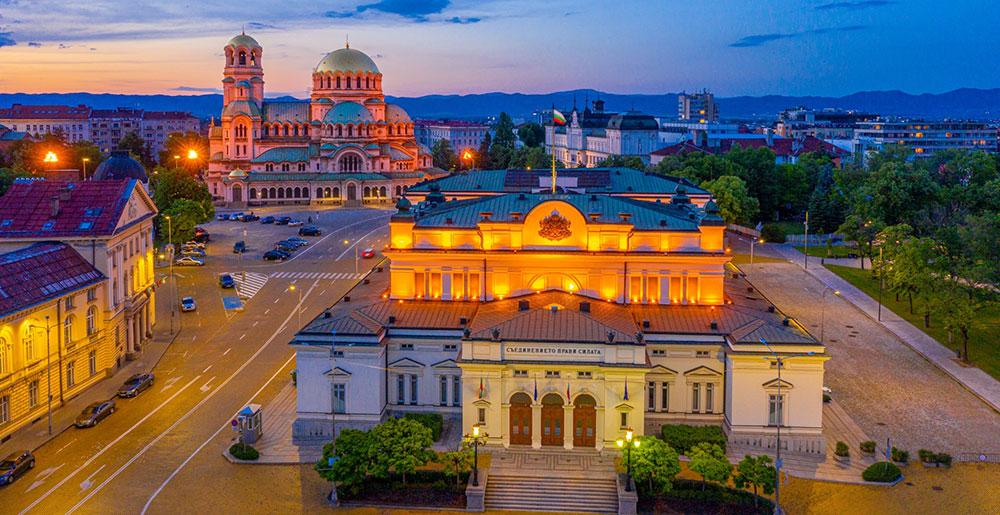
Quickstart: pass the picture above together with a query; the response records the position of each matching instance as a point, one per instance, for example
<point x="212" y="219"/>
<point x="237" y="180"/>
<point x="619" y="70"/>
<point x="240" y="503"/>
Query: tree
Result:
<point x="353" y="459"/>
<point x="86" y="150"/>
<point x="170" y="185"/>
<point x="709" y="460"/>
<point x="756" y="472"/>
<point x="634" y="162"/>
<point x="758" y="171"/>
<point x="179" y="144"/>
<point x="184" y="216"/>
<point x="534" y="158"/>
<point x="443" y="155"/>
<point x="484" y="153"/>
<point x="7" y="177"/>
<point x="505" y="136"/>
<point x="862" y="230"/>
<point x="531" y="134"/>
<point x="401" y="445"/>
<point x="826" y="204"/>
<point x="697" y="167"/>
<point x="735" y="203"/>
<point x="655" y="464"/>
<point x="137" y="148"/>
<point x="957" y="306"/>
<point x="457" y="462"/>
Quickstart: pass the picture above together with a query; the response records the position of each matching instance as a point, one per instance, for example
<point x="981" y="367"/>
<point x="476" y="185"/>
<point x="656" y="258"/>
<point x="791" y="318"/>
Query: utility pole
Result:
<point x="806" y="226"/>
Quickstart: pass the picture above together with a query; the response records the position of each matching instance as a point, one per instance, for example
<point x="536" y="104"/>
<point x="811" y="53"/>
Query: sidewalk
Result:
<point x="275" y="445"/>
<point x="36" y="435"/>
<point x="973" y="379"/>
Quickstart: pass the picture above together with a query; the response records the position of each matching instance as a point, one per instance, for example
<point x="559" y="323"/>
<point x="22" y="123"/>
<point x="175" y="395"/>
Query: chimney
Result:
<point x="522" y="305"/>
<point x="55" y="206"/>
<point x="392" y="319"/>
<point x="585" y="307"/>
<point x="463" y="321"/>
<point x="645" y="324"/>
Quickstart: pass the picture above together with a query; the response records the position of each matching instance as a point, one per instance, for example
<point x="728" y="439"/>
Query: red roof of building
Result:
<point x="782" y="147"/>
<point x="42" y="272"/>
<point x="168" y="115"/>
<point x="45" y="112"/>
<point x="61" y="209"/>
<point x="448" y="123"/>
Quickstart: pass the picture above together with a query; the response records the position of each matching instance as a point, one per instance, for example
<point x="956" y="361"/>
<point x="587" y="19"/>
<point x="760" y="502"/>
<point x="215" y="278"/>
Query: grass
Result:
<point x="744" y="259"/>
<point x="789" y="227"/>
<point x="836" y="251"/>
<point x="983" y="350"/>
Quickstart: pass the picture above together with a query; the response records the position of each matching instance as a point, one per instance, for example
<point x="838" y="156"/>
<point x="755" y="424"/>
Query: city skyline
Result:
<point x="775" y="47"/>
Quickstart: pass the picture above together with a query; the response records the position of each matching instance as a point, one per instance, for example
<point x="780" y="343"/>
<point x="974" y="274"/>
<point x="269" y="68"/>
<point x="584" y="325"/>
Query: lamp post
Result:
<point x="176" y="158"/>
<point x="48" y="366"/>
<point x="627" y="444"/>
<point x="298" y="307"/>
<point x="348" y="242"/>
<point x="469" y="157"/>
<point x="85" y="161"/>
<point x="822" y="323"/>
<point x="173" y="281"/>
<point x="477" y="437"/>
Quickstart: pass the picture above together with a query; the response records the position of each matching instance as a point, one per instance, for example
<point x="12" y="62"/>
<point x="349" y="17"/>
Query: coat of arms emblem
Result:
<point x="554" y="227"/>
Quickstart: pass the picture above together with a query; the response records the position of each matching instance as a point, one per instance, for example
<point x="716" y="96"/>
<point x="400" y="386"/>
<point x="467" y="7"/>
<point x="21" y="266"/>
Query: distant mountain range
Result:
<point x="965" y="103"/>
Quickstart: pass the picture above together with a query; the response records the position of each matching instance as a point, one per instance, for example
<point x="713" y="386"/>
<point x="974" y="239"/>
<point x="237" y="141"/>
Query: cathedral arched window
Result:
<point x="253" y="193"/>
<point x="243" y="58"/>
<point x="348" y="81"/>
<point x="399" y="191"/>
<point x="285" y="167"/>
<point x="253" y="59"/>
<point x="288" y="192"/>
<point x="265" y="130"/>
<point x="350" y="130"/>
<point x="368" y="83"/>
<point x="281" y="193"/>
<point x="381" y="192"/>
<point x="336" y="192"/>
<point x="272" y="193"/>
<point x="302" y="167"/>
<point x="359" y="83"/>
<point x="340" y="130"/>
<point x="390" y="130"/>
<point x="297" y="193"/>
<point x="319" y="192"/>
<point x="338" y="82"/>
<point x="368" y="192"/>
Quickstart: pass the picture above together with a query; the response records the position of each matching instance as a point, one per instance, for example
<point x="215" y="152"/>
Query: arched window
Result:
<point x="272" y="194"/>
<point x="340" y="131"/>
<point x="68" y="330"/>
<point x="305" y="192"/>
<point x="243" y="58"/>
<point x="91" y="320"/>
<point x="381" y="192"/>
<point x="265" y="131"/>
<point x="338" y="82"/>
<point x="350" y="130"/>
<point x="298" y="193"/>
<point x="5" y="358"/>
<point x="281" y="193"/>
<point x="336" y="192"/>
<point x="359" y="83"/>
<point x="368" y="192"/>
<point x="348" y="81"/>
<point x="319" y="192"/>
<point x="288" y="192"/>
<point x="368" y="82"/>
<point x="253" y="193"/>
<point x="399" y="191"/>
<point x="28" y="340"/>
<point x="390" y="130"/>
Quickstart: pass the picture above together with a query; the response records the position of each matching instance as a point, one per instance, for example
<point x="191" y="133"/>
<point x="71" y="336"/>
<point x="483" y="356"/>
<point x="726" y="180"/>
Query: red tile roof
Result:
<point x="85" y="209"/>
<point x="45" y="112"/>
<point x="168" y="115"/>
<point x="42" y="272"/>
<point x="782" y="147"/>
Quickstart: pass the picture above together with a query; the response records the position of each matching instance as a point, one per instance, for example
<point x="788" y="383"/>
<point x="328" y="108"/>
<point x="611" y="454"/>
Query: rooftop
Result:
<point x="48" y="112"/>
<point x="584" y="180"/>
<point x="41" y="272"/>
<point x="34" y="208"/>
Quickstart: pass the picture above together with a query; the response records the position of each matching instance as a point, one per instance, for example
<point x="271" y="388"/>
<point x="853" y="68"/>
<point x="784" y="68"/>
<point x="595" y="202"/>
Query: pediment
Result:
<point x="448" y="363"/>
<point x="702" y="371"/>
<point x="774" y="384"/>
<point x="406" y="363"/>
<point x="661" y="370"/>
<point x="336" y="371"/>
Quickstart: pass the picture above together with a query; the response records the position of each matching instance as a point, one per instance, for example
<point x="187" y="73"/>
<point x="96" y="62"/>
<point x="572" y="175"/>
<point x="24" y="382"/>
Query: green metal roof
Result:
<point x="283" y="155"/>
<point x="297" y="112"/>
<point x="285" y="176"/>
<point x="241" y="107"/>
<point x="591" y="180"/>
<point x="349" y="112"/>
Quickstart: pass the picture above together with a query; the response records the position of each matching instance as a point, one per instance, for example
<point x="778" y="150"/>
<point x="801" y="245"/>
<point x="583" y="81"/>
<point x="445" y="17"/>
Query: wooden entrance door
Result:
<point x="552" y="420"/>
<point x="584" y="422"/>
<point x="520" y="419"/>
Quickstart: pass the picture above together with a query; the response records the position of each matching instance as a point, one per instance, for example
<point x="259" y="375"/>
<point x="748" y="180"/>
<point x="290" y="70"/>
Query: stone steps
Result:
<point x="511" y="492"/>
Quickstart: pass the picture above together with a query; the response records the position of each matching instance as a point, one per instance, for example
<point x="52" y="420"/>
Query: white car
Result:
<point x="189" y="261"/>
<point x="187" y="304"/>
<point x="195" y="244"/>
<point x="294" y="223"/>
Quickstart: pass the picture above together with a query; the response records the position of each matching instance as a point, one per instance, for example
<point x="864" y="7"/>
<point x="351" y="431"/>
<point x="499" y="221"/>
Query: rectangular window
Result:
<point x="651" y="397"/>
<point x="474" y="286"/>
<point x="450" y="347"/>
<point x="340" y="398"/>
<point x="69" y="302"/>
<point x="696" y="397"/>
<point x="406" y="346"/>
<point x="702" y="354"/>
<point x="444" y="391"/>
<point x="775" y="407"/>
<point x="400" y="389"/>
<point x="413" y="389"/>
<point x="659" y="352"/>
<point x="456" y="391"/>
<point x="584" y="375"/>
<point x="520" y="373"/>
<point x="664" y="396"/>
<point x="482" y="415"/>
<point x="635" y="288"/>
<point x="70" y="374"/>
<point x="552" y="374"/>
<point x="338" y="353"/>
<point x="418" y="284"/>
<point x="92" y="360"/>
<point x="624" y="420"/>
<point x="4" y="409"/>
<point x="33" y="394"/>
<point x="710" y="398"/>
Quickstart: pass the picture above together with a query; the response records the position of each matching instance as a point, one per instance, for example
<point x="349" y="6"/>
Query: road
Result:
<point x="221" y="360"/>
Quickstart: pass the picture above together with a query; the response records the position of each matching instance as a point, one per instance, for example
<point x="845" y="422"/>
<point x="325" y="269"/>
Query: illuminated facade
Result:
<point x="559" y="320"/>
<point x="346" y="144"/>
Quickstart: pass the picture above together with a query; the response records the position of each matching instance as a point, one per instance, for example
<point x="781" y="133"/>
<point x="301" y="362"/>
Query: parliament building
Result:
<point x="560" y="319"/>
<point x="345" y="145"/>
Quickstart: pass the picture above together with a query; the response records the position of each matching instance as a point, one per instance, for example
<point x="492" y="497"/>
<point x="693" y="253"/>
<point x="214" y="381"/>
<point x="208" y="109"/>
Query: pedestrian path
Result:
<point x="248" y="283"/>
<point x="317" y="275"/>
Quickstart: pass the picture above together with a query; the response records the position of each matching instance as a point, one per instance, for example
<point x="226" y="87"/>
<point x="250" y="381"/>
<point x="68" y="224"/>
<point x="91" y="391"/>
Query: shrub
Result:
<point x="432" y="421"/>
<point x="683" y="437"/>
<point x="244" y="452"/>
<point x="943" y="459"/>
<point x="899" y="455"/>
<point x="926" y="456"/>
<point x="841" y="450"/>
<point x="881" y="472"/>
<point x="773" y="233"/>
<point x="867" y="447"/>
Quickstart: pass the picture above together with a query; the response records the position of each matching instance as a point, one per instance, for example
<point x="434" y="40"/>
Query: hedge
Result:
<point x="772" y="233"/>
<point x="244" y="452"/>
<point x="881" y="472"/>
<point x="683" y="437"/>
<point x="432" y="421"/>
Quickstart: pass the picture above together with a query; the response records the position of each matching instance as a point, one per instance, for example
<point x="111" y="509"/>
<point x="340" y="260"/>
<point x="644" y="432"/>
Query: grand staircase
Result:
<point x="579" y="481"/>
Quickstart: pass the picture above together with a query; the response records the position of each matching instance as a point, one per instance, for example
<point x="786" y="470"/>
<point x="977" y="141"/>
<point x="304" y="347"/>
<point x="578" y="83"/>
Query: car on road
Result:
<point x="227" y="281"/>
<point x="294" y="223"/>
<point x="201" y="235"/>
<point x="249" y="218"/>
<point x="267" y="220"/>
<point x="239" y="247"/>
<point x="135" y="385"/>
<point x="222" y="217"/>
<point x="189" y="261"/>
<point x="191" y="251"/>
<point x="94" y="413"/>
<point x="15" y="465"/>
<point x="276" y="255"/>
<point x="286" y="246"/>
<point x="309" y="230"/>
<point x="188" y="304"/>
<point x="283" y="220"/>
<point x="368" y="253"/>
<point x="298" y="241"/>
<point x="196" y="244"/>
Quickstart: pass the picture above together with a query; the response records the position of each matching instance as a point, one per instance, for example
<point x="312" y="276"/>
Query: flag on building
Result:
<point x="558" y="118"/>
<point x="536" y="389"/>
<point x="626" y="391"/>
<point x="482" y="389"/>
<point x="567" y="392"/>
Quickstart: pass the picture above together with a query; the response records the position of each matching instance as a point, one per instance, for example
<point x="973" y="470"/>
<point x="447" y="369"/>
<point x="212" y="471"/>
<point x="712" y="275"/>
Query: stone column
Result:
<point x="505" y="425"/>
<point x="568" y="428"/>
<point x="536" y="426"/>
<point x="600" y="423"/>
<point x="129" y="335"/>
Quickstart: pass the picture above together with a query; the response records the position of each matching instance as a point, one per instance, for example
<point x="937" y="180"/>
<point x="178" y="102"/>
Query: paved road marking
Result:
<point x="357" y="241"/>
<point x="276" y="300"/>
<point x="227" y="351"/>
<point x="87" y="483"/>
<point x="65" y="446"/>
<point x="188" y="414"/>
<point x="105" y="448"/>
<point x="248" y="283"/>
<point x="206" y="369"/>
<point x="206" y="387"/>
<point x="266" y="311"/>
<point x="255" y="322"/>
<point x="45" y="474"/>
<point x="244" y="335"/>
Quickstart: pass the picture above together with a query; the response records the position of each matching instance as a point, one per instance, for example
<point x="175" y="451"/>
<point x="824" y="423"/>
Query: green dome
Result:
<point x="347" y="60"/>
<point x="243" y="40"/>
<point x="348" y="112"/>
<point x="396" y="114"/>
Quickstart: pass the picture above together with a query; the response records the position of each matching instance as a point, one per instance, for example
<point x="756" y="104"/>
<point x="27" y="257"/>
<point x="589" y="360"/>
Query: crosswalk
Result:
<point x="316" y="275"/>
<point x="248" y="283"/>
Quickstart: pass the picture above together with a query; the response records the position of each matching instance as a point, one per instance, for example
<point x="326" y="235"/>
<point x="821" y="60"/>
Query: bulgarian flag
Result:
<point x="481" y="388"/>
<point x="558" y="118"/>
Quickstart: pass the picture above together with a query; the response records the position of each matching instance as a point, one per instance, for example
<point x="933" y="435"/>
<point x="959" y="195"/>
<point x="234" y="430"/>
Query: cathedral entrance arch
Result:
<point x="552" y="420"/>
<point x="584" y="421"/>
<point x="352" y="192"/>
<point x="520" y="419"/>
<point x="237" y="193"/>
<point x="350" y="162"/>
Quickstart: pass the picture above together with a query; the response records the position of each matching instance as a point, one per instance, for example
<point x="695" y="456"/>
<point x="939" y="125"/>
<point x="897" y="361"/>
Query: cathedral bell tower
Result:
<point x="242" y="97"/>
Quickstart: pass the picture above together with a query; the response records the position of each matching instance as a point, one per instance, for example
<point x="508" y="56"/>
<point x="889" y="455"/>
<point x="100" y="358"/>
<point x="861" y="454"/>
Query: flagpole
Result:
<point x="552" y="149"/>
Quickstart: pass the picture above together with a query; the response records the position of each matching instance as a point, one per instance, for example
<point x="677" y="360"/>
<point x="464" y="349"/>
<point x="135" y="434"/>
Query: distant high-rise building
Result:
<point x="827" y="124"/>
<point x="697" y="107"/>
<point x="73" y="122"/>
<point x="460" y="134"/>
<point x="924" y="137"/>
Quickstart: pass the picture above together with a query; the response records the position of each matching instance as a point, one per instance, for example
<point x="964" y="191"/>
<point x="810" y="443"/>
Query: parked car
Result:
<point x="190" y="251"/>
<point x="227" y="281"/>
<point x="196" y="244"/>
<point x="135" y="385"/>
<point x="249" y="218"/>
<point x="286" y="246"/>
<point x="309" y="230"/>
<point x="189" y="261"/>
<point x="202" y="237"/>
<point x="294" y="223"/>
<point x="95" y="413"/>
<point x="267" y="220"/>
<point x="188" y="304"/>
<point x="368" y="253"/>
<point x="283" y="220"/>
<point x="275" y="255"/>
<point x="222" y="217"/>
<point x="239" y="247"/>
<point x="297" y="241"/>
<point x="15" y="465"/>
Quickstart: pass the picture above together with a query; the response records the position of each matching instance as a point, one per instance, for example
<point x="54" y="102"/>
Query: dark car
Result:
<point x="286" y="246"/>
<point x="227" y="281"/>
<point x="239" y="247"/>
<point x="309" y="230"/>
<point x="275" y="255"/>
<point x="201" y="235"/>
<point x="95" y="413"/>
<point x="299" y="242"/>
<point x="267" y="220"/>
<point x="135" y="385"/>
<point x="15" y="465"/>
<point x="283" y="220"/>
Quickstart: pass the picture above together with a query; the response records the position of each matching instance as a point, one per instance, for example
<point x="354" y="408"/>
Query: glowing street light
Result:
<point x="628" y="443"/>
<point x="469" y="157"/>
<point x="50" y="157"/>
<point x="85" y="161"/>
<point x="192" y="154"/>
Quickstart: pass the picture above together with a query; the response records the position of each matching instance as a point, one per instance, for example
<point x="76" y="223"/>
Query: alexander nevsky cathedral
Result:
<point x="345" y="145"/>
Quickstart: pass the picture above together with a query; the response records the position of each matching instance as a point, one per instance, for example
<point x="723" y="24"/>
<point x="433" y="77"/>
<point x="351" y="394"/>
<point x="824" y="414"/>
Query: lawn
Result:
<point x="983" y="350"/>
<point x="744" y="259"/>
<point x="836" y="251"/>
<point x="790" y="227"/>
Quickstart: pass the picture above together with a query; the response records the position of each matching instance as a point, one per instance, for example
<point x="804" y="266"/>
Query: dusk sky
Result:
<point x="806" y="47"/>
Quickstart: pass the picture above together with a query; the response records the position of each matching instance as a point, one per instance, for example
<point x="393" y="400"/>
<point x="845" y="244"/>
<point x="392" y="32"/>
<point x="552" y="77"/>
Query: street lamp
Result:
<point x="50" y="157"/>
<point x="469" y="157"/>
<point x="628" y="443"/>
<point x="85" y="161"/>
<point x="298" y="307"/>
<point x="173" y="281"/>
<point x="477" y="437"/>
<point x="176" y="158"/>
<point x="48" y="365"/>
<point x="822" y="324"/>
<point x="347" y="242"/>
<point x="192" y="154"/>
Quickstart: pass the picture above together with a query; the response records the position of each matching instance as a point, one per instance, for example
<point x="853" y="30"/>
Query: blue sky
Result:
<point x="732" y="47"/>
